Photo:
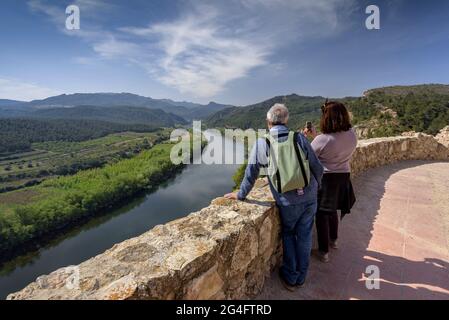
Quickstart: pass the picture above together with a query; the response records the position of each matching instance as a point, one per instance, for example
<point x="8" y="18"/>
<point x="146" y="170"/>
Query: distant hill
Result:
<point x="125" y="115"/>
<point x="100" y="100"/>
<point x="421" y="89"/>
<point x="301" y="109"/>
<point x="185" y="104"/>
<point x="203" y="111"/>
<point x="379" y="112"/>
<point x="16" y="135"/>
<point x="392" y="110"/>
<point x="10" y="103"/>
<point x="187" y="110"/>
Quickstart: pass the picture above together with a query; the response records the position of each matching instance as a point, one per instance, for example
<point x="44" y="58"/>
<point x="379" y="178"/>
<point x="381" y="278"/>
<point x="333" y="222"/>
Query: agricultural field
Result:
<point x="31" y="212"/>
<point x="58" y="158"/>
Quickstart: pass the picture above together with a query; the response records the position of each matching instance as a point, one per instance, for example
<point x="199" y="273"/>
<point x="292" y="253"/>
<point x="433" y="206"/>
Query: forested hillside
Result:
<point x="186" y="110"/>
<point x="392" y="110"/>
<point x="301" y="109"/>
<point x="101" y="100"/>
<point x="18" y="134"/>
<point x="200" y="112"/>
<point x="421" y="89"/>
<point x="380" y="112"/>
<point x="10" y="103"/>
<point x="151" y="117"/>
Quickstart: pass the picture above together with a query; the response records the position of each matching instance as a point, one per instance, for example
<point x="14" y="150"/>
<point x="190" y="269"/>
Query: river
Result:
<point x="189" y="191"/>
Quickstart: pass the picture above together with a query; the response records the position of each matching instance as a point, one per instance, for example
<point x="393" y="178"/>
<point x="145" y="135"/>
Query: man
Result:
<point x="297" y="207"/>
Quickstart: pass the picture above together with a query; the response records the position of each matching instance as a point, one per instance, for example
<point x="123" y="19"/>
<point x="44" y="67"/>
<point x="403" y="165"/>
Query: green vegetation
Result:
<point x="383" y="112"/>
<point x="17" y="135"/>
<point x="393" y="110"/>
<point x="239" y="175"/>
<point x="115" y="107"/>
<point x="130" y="115"/>
<point x="30" y="213"/>
<point x="422" y="89"/>
<point x="55" y="158"/>
<point x="301" y="109"/>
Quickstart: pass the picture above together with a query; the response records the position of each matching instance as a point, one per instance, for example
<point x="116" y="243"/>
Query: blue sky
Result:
<point x="229" y="51"/>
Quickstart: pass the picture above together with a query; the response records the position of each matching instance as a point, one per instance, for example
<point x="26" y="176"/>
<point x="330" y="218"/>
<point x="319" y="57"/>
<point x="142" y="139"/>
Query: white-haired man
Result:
<point x="297" y="207"/>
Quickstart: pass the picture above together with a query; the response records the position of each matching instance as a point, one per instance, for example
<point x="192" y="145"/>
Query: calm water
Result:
<point x="189" y="191"/>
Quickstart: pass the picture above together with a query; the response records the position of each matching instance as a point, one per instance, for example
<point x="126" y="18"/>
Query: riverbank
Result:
<point x="36" y="213"/>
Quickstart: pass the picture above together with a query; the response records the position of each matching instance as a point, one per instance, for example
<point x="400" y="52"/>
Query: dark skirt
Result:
<point x="336" y="193"/>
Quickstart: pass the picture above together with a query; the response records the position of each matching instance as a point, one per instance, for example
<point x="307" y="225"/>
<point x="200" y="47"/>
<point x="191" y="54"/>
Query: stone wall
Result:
<point x="410" y="146"/>
<point x="224" y="251"/>
<point x="443" y="137"/>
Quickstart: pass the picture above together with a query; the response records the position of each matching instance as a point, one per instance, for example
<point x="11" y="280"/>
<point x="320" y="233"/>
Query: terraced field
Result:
<point x="50" y="159"/>
<point x="28" y="214"/>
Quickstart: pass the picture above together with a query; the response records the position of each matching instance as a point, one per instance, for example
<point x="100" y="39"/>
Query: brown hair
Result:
<point x="335" y="117"/>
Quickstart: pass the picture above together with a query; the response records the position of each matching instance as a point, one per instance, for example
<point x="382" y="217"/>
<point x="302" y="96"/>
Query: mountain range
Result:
<point x="10" y="103"/>
<point x="380" y="112"/>
<point x="301" y="109"/>
<point x="118" y="114"/>
<point x="186" y="110"/>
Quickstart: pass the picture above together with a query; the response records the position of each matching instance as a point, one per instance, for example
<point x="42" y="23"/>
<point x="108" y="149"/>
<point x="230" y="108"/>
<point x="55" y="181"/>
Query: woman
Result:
<point x="334" y="148"/>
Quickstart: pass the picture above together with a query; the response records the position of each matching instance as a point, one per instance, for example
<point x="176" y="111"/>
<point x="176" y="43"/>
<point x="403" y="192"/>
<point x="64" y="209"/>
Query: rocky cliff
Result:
<point x="223" y="251"/>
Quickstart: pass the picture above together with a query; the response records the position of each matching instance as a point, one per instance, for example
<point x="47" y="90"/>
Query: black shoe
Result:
<point x="333" y="244"/>
<point x="322" y="256"/>
<point x="287" y="286"/>
<point x="300" y="285"/>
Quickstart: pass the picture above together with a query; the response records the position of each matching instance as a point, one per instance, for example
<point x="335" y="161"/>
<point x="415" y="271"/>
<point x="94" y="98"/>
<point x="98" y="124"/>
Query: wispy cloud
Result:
<point x="196" y="54"/>
<point x="18" y="90"/>
<point x="113" y="48"/>
<point x="210" y="44"/>
<point x="56" y="14"/>
<point x="84" y="60"/>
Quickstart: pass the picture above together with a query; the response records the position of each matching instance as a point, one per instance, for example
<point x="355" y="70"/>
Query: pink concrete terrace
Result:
<point x="400" y="224"/>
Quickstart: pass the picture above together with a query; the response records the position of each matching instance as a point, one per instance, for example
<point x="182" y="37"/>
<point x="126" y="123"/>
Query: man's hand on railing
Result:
<point x="232" y="195"/>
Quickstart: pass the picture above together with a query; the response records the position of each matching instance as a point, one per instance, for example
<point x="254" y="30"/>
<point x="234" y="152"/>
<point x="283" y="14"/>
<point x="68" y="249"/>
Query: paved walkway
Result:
<point x="399" y="224"/>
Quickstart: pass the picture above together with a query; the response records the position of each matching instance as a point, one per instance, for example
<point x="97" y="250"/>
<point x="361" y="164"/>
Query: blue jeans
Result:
<point x="297" y="222"/>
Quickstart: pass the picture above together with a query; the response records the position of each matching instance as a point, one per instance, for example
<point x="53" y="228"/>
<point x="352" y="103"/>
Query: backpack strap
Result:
<point x="278" y="175"/>
<point x="298" y="154"/>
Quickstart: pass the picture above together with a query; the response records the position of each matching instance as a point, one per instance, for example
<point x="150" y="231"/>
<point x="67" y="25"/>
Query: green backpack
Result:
<point x="288" y="168"/>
